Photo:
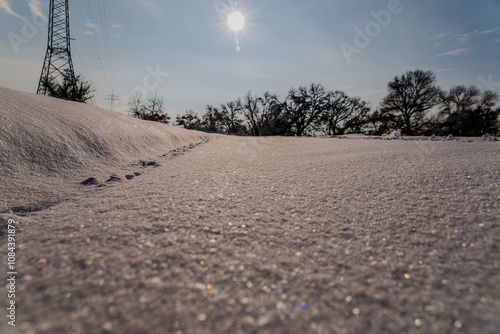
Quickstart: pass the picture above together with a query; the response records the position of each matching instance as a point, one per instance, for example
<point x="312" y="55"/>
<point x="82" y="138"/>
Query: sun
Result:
<point x="236" y="21"/>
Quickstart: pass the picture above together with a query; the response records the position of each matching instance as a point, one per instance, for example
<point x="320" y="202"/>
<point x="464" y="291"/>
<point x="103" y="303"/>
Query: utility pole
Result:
<point x="58" y="65"/>
<point x="112" y="98"/>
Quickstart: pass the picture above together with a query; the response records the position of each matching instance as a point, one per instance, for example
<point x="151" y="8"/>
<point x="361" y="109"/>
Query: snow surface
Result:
<point x="241" y="234"/>
<point x="46" y="144"/>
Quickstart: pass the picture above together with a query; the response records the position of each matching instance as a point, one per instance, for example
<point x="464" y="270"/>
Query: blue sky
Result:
<point x="184" y="51"/>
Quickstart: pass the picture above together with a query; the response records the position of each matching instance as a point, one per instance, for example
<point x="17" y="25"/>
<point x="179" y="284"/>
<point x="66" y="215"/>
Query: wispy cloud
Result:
<point x="458" y="36"/>
<point x="455" y="52"/>
<point x="440" y="36"/>
<point x="93" y="28"/>
<point x="36" y="8"/>
<point x="489" y="31"/>
<point x="462" y="38"/>
<point x="5" y="5"/>
<point x="91" y="25"/>
<point x="116" y="26"/>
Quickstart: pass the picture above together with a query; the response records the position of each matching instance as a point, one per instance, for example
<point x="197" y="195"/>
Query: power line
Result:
<point x="92" y="42"/>
<point x="81" y="61"/>
<point x="105" y="24"/>
<point x="104" y="63"/>
<point x="92" y="100"/>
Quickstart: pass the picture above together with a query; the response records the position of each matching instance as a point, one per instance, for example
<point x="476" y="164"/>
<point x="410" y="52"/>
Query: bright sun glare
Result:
<point x="236" y="21"/>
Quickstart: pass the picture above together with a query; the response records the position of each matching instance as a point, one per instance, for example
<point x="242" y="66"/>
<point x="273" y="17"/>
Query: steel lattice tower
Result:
<point x="57" y="63"/>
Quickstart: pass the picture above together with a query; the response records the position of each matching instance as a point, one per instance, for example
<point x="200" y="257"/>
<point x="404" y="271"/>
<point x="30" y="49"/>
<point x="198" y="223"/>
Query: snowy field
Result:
<point x="177" y="231"/>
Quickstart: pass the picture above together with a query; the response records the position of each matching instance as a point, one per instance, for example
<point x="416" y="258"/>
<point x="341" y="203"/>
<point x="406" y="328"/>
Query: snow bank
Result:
<point x="46" y="142"/>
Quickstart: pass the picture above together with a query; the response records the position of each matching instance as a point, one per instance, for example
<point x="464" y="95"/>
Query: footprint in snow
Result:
<point x="149" y="163"/>
<point x="114" y="178"/>
<point x="90" y="181"/>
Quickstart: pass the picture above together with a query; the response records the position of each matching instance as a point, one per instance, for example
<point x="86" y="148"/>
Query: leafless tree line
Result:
<point x="414" y="105"/>
<point x="463" y="111"/>
<point x="305" y="111"/>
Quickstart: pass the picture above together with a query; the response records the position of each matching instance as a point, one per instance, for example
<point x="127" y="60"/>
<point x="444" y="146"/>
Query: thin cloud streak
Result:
<point x="5" y="5"/>
<point x="489" y="31"/>
<point x="455" y="52"/>
<point x="91" y="25"/>
<point x="440" y="36"/>
<point x="36" y="8"/>
<point x="460" y="36"/>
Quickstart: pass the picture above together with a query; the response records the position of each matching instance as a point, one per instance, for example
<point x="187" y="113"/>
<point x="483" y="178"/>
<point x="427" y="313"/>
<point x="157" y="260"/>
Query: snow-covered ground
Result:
<point x="223" y="234"/>
<point x="47" y="144"/>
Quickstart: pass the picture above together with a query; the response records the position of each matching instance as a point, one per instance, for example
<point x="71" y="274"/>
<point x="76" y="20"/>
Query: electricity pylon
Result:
<point x="112" y="98"/>
<point x="58" y="65"/>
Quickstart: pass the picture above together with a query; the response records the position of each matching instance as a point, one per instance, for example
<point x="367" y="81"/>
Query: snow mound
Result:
<point x="47" y="144"/>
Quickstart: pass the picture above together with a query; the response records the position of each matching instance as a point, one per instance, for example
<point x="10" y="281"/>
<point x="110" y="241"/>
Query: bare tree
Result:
<point x="378" y="123"/>
<point x="212" y="120"/>
<point x="150" y="109"/>
<point x="84" y="90"/>
<point x="75" y="89"/>
<point x="136" y="106"/>
<point x="305" y="106"/>
<point x="189" y="120"/>
<point x="230" y="112"/>
<point x="265" y="115"/>
<point x="273" y="120"/>
<point x="468" y="112"/>
<point x="250" y="109"/>
<point x="344" y="113"/>
<point x="410" y="97"/>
